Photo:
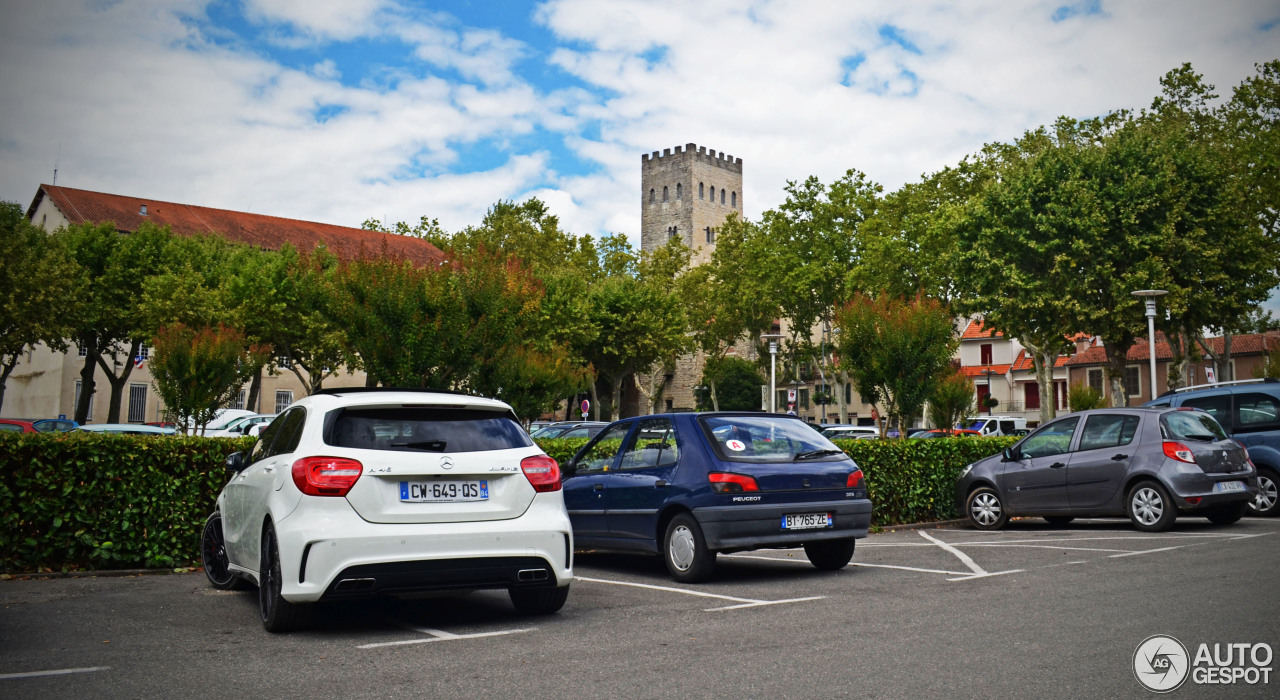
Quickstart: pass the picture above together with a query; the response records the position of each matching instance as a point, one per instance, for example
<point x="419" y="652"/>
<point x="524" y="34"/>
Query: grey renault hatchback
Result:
<point x="1150" y="464"/>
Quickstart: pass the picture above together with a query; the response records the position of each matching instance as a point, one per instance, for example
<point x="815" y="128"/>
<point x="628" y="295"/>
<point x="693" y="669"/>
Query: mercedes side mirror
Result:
<point x="234" y="462"/>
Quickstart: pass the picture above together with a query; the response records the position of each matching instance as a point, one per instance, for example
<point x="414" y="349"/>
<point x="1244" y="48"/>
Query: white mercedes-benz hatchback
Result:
<point x="353" y="493"/>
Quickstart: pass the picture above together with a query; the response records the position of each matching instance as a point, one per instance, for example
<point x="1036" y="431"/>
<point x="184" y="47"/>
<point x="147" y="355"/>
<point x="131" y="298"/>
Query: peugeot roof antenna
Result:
<point x="55" y="163"/>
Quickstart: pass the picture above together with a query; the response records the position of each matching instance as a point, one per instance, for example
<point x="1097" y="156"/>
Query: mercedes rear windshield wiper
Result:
<point x="428" y="445"/>
<point x="817" y="453"/>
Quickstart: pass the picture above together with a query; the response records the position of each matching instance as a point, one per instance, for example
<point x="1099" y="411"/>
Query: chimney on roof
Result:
<point x="142" y="210"/>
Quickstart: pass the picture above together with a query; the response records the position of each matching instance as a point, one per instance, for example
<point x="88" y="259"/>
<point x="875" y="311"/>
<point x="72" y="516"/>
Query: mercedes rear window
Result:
<point x="410" y="429"/>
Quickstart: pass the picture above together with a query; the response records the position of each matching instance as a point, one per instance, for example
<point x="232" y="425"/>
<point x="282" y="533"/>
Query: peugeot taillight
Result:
<point x="1178" y="451"/>
<point x="542" y="472"/>
<point x="726" y="482"/>
<point x="326" y="476"/>
<point x="855" y="479"/>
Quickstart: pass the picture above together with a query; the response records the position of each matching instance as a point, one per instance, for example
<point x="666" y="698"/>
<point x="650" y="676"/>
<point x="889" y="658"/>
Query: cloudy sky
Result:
<point x="344" y="110"/>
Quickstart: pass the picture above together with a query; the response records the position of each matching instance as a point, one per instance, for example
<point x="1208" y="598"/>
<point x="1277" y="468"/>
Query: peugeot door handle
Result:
<point x="1117" y="458"/>
<point x="1057" y="465"/>
<point x="659" y="483"/>
<point x="599" y="487"/>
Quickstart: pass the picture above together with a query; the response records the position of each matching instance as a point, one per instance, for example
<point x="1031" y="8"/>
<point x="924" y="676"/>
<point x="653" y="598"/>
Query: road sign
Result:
<point x="586" y="405"/>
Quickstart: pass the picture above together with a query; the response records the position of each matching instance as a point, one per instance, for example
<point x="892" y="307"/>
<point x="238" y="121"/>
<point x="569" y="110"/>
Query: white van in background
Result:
<point x="997" y="425"/>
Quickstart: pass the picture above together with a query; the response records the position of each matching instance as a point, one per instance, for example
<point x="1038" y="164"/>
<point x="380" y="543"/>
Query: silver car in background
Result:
<point x="1149" y="464"/>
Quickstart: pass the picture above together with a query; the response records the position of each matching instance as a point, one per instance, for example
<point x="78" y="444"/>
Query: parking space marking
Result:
<point x="964" y="558"/>
<point x="56" y="672"/>
<point x="742" y="602"/>
<point x="1047" y="546"/>
<point x="441" y="636"/>
<point x="855" y="563"/>
<point x="1150" y="551"/>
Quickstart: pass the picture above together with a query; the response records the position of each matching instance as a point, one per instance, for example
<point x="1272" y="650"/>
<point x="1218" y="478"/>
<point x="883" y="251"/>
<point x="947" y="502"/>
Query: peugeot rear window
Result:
<point x="410" y="429"/>
<point x="1191" y="425"/>
<point x="766" y="438"/>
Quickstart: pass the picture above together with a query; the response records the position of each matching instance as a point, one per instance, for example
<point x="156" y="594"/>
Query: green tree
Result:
<point x="952" y="401"/>
<point x="738" y="381"/>
<point x="199" y="370"/>
<point x="896" y="350"/>
<point x="40" y="290"/>
<point x="1083" y="397"/>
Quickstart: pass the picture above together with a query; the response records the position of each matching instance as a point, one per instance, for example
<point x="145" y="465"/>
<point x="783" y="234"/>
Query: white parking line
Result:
<point x="743" y="602"/>
<point x="439" y="636"/>
<point x="855" y="563"/>
<point x="57" y="672"/>
<point x="1149" y="551"/>
<point x="1046" y="546"/>
<point x="964" y="558"/>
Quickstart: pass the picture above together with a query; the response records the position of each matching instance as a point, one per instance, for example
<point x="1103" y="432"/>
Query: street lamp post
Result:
<point x="773" y="368"/>
<point x="1150" y="295"/>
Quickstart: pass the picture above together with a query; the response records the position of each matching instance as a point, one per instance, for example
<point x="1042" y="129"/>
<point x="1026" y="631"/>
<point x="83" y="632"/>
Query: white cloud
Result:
<point x="322" y="19"/>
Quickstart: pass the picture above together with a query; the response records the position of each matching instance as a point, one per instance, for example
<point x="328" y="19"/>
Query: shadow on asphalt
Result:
<point x="728" y="569"/>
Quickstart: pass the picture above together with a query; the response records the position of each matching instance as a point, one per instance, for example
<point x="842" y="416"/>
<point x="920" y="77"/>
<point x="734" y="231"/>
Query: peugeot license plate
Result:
<point x="1228" y="486"/>
<point x="444" y="491"/>
<point x="806" y="521"/>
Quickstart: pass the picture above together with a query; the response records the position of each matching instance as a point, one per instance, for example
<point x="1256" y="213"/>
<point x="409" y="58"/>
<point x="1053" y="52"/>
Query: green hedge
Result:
<point x="909" y="481"/>
<point x="73" y="501"/>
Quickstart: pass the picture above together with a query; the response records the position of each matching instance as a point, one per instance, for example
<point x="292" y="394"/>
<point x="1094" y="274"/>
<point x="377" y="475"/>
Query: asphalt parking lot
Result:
<point x="1029" y="611"/>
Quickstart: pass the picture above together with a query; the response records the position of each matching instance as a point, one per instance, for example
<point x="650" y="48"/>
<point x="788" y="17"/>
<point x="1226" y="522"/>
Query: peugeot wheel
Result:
<point x="213" y="556"/>
<point x="685" y="550"/>
<point x="830" y="555"/>
<point x="985" y="510"/>
<point x="278" y="614"/>
<point x="1267" y="502"/>
<point x="1150" y="507"/>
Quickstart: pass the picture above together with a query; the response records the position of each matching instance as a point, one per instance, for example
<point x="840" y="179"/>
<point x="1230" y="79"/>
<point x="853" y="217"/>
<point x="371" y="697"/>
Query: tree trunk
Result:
<point x="1180" y="348"/>
<point x="1213" y="356"/>
<point x="1226" y="359"/>
<point x="844" y="407"/>
<point x="118" y="383"/>
<point x="616" y="407"/>
<point x="1044" y="363"/>
<point x="715" y="400"/>
<point x="4" y="376"/>
<point x="89" y="342"/>
<point x="595" y="400"/>
<point x="255" y="390"/>
<point x="1115" y="374"/>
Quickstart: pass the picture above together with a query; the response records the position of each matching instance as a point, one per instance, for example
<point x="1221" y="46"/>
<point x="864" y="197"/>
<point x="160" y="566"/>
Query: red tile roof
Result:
<point x="975" y="330"/>
<point x="1024" y="362"/>
<point x="981" y="370"/>
<point x="1249" y="344"/>
<point x="270" y="232"/>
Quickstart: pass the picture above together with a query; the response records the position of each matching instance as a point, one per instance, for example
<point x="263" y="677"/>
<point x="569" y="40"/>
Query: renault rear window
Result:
<point x="1191" y="425"/>
<point x="410" y="429"/>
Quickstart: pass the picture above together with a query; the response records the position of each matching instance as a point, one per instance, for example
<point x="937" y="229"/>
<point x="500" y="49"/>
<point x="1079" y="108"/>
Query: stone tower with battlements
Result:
<point x="687" y="193"/>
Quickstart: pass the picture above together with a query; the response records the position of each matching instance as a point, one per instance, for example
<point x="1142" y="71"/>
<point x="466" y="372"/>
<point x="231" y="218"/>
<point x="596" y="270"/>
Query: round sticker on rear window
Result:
<point x="735" y="445"/>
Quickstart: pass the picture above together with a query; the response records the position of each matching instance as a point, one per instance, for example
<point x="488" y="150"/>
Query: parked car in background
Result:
<point x="536" y="424"/>
<point x="687" y="486"/>
<point x="360" y="492"/>
<point x="55" y="425"/>
<point x="239" y="427"/>
<point x="954" y="432"/>
<point x="1150" y="464"/>
<point x="575" y="429"/>
<point x="221" y="419"/>
<point x="162" y="424"/>
<point x="1249" y="411"/>
<point x="849" y="432"/>
<point x="126" y="429"/>
<point x="990" y="426"/>
<point x="9" y="425"/>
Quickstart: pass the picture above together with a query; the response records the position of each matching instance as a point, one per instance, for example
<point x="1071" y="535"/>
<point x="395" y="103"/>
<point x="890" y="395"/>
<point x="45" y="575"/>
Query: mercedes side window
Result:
<point x="1053" y="439"/>
<point x="262" y="448"/>
<point x="1256" y="412"/>
<point x="654" y="445"/>
<point x="1108" y="430"/>
<point x="290" y="432"/>
<point x="600" y="455"/>
<point x="1218" y="406"/>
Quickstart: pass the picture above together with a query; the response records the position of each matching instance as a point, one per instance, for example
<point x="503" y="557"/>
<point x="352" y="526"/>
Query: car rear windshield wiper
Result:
<point x="1201" y="436"/>
<point x="428" y="445"/>
<point x="817" y="453"/>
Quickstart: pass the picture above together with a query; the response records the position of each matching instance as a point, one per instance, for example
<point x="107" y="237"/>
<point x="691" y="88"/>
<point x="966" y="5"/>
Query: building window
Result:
<point x="679" y="191"/>
<point x="144" y="352"/>
<point x="701" y="194"/>
<point x="722" y="196"/>
<point x="665" y="198"/>
<point x="1031" y="394"/>
<point x="137" y="403"/>
<point x="985" y="351"/>
<point x="669" y="405"/>
<point x="1095" y="380"/>
<point x="804" y="398"/>
<point x="238" y="404"/>
<point x="284" y="362"/>
<point x="75" y="408"/>
<point x="711" y="235"/>
<point x="672" y="232"/>
<point x="284" y="397"/>
<point x="713" y="194"/>
<point x="82" y="351"/>
<point x="1132" y="381"/>
<point x="651" y="195"/>
<point x="848" y="394"/>
<point x="733" y="199"/>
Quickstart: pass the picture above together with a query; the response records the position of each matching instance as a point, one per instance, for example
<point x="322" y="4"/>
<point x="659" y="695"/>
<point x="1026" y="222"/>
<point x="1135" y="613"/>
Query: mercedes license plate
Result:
<point x="1228" y="486"/>
<point x="806" y="521"/>
<point x="444" y="491"/>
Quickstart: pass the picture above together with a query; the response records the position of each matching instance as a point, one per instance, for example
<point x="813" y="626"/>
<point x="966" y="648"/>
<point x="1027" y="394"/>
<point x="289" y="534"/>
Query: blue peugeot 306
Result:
<point x="691" y="485"/>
